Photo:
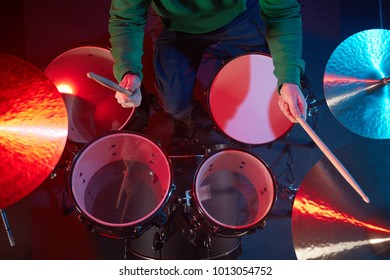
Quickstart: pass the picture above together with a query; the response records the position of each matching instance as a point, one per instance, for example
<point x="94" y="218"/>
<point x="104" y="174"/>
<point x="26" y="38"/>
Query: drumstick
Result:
<point x="135" y="96"/>
<point x="108" y="83"/>
<point x="332" y="158"/>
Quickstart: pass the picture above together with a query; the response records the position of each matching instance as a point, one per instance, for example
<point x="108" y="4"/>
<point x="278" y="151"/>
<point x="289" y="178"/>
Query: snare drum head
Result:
<point x="234" y="190"/>
<point x="92" y="109"/>
<point x="243" y="101"/>
<point x="121" y="180"/>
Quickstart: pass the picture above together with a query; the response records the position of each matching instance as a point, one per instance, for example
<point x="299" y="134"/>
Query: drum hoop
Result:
<point x="85" y="46"/>
<point x="229" y="137"/>
<point x="144" y="219"/>
<point x="68" y="49"/>
<point x="237" y="230"/>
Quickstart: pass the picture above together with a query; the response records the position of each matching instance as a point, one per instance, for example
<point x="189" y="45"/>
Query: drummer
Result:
<point x="192" y="39"/>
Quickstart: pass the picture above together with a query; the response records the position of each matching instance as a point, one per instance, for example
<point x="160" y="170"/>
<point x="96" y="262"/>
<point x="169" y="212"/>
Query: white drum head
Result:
<point x="243" y="101"/>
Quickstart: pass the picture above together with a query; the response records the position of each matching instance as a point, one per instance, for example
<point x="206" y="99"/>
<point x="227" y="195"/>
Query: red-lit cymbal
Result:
<point x="329" y="219"/>
<point x="33" y="128"/>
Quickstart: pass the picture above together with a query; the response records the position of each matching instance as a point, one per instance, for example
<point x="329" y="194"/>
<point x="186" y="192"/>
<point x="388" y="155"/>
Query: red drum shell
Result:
<point x="92" y="108"/>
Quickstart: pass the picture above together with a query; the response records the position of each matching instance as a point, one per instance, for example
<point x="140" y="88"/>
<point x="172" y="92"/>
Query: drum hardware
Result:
<point x="66" y="210"/>
<point x="288" y="192"/>
<point x="7" y="228"/>
<point x="181" y="218"/>
<point x="133" y="233"/>
<point x="183" y="235"/>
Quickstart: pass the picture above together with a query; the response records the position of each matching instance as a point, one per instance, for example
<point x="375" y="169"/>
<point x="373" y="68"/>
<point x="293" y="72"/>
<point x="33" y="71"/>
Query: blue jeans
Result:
<point x="183" y="61"/>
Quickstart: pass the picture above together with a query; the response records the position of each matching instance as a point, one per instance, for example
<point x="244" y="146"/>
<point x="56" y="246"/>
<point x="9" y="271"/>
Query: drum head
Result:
<point x="234" y="190"/>
<point x="121" y="180"/>
<point x="92" y="109"/>
<point x="243" y="101"/>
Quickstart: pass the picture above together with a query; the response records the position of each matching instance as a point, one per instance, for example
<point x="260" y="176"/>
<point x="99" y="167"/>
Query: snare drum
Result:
<point x="120" y="184"/>
<point x="243" y="101"/>
<point x="233" y="193"/>
<point x="92" y="108"/>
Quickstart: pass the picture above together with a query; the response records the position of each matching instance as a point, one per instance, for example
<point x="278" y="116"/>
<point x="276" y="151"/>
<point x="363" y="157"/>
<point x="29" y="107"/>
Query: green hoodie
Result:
<point x="281" y="17"/>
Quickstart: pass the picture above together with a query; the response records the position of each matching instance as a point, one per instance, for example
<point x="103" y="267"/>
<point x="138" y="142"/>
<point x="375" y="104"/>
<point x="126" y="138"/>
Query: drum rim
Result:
<point x="217" y="227"/>
<point x="71" y="48"/>
<point x="229" y="137"/>
<point x="159" y="208"/>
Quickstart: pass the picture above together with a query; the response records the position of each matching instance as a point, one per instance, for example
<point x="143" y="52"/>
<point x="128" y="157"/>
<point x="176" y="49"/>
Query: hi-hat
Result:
<point x="356" y="83"/>
<point x="330" y="221"/>
<point x="33" y="128"/>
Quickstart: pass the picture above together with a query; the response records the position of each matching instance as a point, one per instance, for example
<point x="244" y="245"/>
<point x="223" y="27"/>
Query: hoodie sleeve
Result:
<point x="283" y="23"/>
<point x="126" y="27"/>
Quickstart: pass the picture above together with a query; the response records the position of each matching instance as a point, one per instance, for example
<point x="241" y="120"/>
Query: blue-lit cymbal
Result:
<point x="356" y="83"/>
<point x="331" y="221"/>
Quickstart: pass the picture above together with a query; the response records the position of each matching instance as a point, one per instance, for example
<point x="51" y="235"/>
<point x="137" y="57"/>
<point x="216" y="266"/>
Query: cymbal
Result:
<point x="33" y="128"/>
<point x="330" y="221"/>
<point x="356" y="83"/>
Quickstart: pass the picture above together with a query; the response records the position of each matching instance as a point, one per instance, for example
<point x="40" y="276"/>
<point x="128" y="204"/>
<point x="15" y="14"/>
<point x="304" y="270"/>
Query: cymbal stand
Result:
<point x="182" y="219"/>
<point x="7" y="228"/>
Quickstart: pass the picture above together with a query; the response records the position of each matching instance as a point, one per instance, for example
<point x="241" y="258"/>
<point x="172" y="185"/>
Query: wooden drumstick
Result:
<point x="135" y="98"/>
<point x="108" y="83"/>
<point x="332" y="158"/>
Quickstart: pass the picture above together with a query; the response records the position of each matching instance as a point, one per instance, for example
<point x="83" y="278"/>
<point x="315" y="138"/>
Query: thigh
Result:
<point x="175" y="60"/>
<point x="244" y="34"/>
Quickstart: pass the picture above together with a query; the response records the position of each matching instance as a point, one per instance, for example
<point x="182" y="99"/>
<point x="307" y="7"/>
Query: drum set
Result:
<point x="124" y="183"/>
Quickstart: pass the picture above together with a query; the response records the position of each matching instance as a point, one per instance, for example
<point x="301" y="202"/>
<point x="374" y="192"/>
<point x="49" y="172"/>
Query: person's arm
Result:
<point x="283" y="23"/>
<point x="284" y="36"/>
<point x="126" y="28"/>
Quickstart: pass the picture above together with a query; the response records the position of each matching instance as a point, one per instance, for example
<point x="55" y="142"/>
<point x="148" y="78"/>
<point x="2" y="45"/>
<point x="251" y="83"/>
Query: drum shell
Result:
<point x="108" y="147"/>
<point x="237" y="161"/>
<point x="92" y="108"/>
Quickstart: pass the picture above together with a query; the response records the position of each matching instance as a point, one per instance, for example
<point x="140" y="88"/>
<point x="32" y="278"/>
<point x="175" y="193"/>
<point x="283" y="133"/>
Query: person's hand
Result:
<point x="132" y="83"/>
<point x="292" y="102"/>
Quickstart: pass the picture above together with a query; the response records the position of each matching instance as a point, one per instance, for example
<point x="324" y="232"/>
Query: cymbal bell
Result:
<point x="33" y="128"/>
<point x="356" y="83"/>
<point x="330" y="221"/>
